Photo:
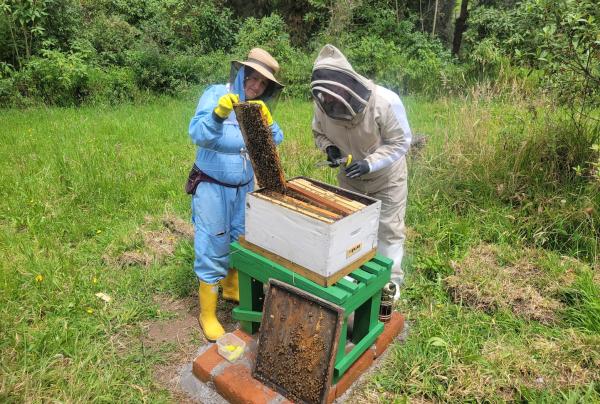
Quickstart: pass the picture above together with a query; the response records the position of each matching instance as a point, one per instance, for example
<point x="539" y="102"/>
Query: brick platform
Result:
<point x="235" y="383"/>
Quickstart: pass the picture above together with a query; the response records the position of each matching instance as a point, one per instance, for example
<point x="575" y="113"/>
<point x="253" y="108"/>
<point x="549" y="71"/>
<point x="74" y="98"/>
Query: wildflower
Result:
<point x="98" y="231"/>
<point x="94" y="280"/>
<point x="39" y="278"/>
<point x="90" y="310"/>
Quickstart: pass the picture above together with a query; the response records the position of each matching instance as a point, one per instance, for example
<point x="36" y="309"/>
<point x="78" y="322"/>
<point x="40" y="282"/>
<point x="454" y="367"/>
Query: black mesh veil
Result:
<point x="339" y="94"/>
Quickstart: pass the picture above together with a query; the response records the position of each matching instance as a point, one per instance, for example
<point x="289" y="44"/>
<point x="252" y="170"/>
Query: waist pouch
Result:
<point x="195" y="177"/>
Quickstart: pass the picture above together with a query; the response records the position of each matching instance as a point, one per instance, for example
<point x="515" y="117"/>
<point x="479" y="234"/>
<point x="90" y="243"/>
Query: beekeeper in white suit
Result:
<point x="355" y="116"/>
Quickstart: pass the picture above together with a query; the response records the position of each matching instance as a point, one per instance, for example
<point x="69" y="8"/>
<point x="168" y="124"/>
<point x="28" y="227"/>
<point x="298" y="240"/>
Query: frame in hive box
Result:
<point x="322" y="238"/>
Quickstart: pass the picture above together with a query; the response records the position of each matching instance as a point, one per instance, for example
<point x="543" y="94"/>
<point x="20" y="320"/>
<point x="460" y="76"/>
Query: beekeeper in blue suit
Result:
<point x="222" y="175"/>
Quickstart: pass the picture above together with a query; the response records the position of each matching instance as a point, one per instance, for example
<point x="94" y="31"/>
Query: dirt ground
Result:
<point x="487" y="281"/>
<point x="183" y="333"/>
<point x="153" y="242"/>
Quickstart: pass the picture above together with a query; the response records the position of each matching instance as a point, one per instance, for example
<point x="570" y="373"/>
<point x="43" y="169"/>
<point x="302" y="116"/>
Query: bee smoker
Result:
<point x="387" y="302"/>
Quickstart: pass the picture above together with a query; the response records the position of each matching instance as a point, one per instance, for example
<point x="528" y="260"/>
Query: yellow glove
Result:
<point x="266" y="114"/>
<point x="226" y="105"/>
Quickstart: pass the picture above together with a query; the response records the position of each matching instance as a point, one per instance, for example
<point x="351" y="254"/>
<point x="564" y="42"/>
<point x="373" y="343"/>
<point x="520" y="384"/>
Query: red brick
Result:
<point x="391" y="330"/>
<point x="237" y="386"/>
<point x="243" y="336"/>
<point x="206" y="362"/>
<point x="331" y="394"/>
<point x="355" y="371"/>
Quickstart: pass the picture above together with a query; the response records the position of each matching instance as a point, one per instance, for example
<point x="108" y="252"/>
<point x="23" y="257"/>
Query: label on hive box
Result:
<point x="353" y="250"/>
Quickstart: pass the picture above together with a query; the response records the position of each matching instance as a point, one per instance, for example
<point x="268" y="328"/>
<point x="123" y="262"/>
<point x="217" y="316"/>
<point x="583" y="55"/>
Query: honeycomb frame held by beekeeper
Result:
<point x="354" y="116"/>
<point x="222" y="175"/>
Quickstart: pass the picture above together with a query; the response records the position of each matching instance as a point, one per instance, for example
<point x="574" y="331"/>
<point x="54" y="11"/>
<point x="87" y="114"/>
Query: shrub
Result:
<point x="375" y="58"/>
<point x="202" y="25"/>
<point x="56" y="78"/>
<point x="169" y="72"/>
<point x="8" y="92"/>
<point x="416" y="67"/>
<point x="203" y="69"/>
<point x="295" y="74"/>
<point x="111" y="86"/>
<point x="153" y="69"/>
<point x="269" y="33"/>
<point x="112" y="37"/>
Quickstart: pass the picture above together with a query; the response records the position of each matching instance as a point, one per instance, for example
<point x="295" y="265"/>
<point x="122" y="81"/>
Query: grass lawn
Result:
<point x="84" y="192"/>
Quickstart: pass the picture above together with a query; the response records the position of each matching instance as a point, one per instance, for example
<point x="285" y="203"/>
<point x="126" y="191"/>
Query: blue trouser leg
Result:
<point x="218" y="216"/>
<point x="210" y="214"/>
<point x="238" y="218"/>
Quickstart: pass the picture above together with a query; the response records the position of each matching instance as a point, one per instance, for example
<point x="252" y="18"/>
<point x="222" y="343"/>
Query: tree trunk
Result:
<point x="460" y="27"/>
<point x="434" y="18"/>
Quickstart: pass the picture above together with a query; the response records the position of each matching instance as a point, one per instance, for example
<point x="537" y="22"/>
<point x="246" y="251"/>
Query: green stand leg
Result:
<point x="341" y="349"/>
<point x="258" y="299"/>
<point x="251" y="300"/>
<point x="366" y="317"/>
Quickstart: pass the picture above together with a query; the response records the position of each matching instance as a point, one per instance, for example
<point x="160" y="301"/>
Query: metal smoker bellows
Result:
<point x="387" y="302"/>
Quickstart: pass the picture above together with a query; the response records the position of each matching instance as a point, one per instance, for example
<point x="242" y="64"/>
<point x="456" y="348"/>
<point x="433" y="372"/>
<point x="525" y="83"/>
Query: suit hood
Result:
<point x="340" y="92"/>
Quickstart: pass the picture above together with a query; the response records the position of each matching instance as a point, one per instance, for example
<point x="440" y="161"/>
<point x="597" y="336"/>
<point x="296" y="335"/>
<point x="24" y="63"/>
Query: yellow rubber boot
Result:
<point x="207" y="296"/>
<point x="231" y="288"/>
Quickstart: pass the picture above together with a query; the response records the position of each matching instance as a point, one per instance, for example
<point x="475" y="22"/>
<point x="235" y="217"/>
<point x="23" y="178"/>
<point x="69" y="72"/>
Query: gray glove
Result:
<point x="358" y="168"/>
<point x="333" y="154"/>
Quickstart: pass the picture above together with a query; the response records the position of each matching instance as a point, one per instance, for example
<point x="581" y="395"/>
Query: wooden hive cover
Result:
<point x="297" y="343"/>
<point x="261" y="147"/>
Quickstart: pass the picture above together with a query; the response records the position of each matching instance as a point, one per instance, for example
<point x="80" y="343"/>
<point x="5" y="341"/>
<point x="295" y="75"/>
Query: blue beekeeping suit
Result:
<point x="218" y="210"/>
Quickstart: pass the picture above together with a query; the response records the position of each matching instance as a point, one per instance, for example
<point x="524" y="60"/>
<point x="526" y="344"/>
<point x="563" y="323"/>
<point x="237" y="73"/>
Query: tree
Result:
<point x="460" y="26"/>
<point x="24" y="21"/>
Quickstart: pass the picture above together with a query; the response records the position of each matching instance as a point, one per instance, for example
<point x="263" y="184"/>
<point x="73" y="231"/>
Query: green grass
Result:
<point x="77" y="185"/>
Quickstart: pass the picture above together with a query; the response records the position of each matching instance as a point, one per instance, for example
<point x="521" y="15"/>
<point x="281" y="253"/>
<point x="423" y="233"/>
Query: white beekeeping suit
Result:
<point x="369" y="122"/>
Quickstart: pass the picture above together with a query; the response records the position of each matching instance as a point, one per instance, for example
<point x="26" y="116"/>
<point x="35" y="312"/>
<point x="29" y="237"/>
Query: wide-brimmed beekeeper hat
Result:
<point x="261" y="61"/>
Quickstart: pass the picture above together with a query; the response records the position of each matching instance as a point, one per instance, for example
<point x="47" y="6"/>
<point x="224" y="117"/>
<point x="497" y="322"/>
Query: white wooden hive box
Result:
<point x="325" y="249"/>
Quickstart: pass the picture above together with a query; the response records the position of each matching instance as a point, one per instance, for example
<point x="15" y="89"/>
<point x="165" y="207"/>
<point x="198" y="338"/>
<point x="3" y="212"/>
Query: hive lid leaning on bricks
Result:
<point x="321" y="231"/>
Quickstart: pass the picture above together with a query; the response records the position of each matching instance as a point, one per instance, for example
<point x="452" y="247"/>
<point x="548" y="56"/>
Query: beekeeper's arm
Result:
<point x="395" y="135"/>
<point x="213" y="108"/>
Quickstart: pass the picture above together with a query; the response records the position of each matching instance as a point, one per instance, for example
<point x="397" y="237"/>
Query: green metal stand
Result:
<point x="361" y="296"/>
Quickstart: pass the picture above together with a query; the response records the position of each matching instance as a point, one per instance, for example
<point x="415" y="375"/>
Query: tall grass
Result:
<point x="523" y="160"/>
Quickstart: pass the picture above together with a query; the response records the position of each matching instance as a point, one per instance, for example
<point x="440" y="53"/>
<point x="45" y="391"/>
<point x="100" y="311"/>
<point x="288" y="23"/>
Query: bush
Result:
<point x="200" y="25"/>
<point x="417" y="67"/>
<point x="112" y="37"/>
<point x="202" y="69"/>
<point x="295" y="74"/>
<point x="170" y="73"/>
<point x="111" y="86"/>
<point x="57" y="78"/>
<point x="269" y="33"/>
<point x="8" y="92"/>
<point x="153" y="70"/>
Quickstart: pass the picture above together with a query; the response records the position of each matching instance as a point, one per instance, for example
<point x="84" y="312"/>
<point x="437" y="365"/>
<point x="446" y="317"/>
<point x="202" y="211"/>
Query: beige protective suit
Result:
<point x="369" y="122"/>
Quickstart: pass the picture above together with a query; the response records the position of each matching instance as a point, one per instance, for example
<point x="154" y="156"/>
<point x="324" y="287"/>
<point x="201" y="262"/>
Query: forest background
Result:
<point x="66" y="52"/>
<point x="503" y="288"/>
